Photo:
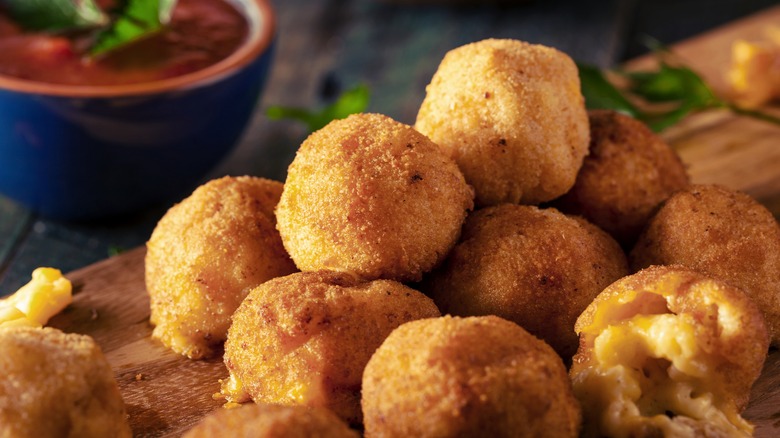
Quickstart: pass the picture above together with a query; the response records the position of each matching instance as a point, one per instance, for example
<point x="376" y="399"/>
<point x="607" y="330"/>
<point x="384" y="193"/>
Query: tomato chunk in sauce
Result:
<point x="201" y="33"/>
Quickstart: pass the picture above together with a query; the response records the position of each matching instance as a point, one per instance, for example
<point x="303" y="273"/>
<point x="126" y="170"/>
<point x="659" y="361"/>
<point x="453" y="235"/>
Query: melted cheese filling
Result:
<point x="651" y="373"/>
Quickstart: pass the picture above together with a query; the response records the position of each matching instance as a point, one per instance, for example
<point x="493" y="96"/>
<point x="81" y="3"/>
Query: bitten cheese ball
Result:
<point x="668" y="352"/>
<point x="204" y="256"/>
<point x="304" y="339"/>
<point x="536" y="267"/>
<point x="55" y="384"/>
<point x="272" y="421"/>
<point x="467" y="377"/>
<point x="373" y="197"/>
<point x="512" y="116"/>
<point x="629" y="171"/>
<point x="723" y="233"/>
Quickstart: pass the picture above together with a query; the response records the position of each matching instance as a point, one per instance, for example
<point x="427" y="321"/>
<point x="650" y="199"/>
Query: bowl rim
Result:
<point x="262" y="29"/>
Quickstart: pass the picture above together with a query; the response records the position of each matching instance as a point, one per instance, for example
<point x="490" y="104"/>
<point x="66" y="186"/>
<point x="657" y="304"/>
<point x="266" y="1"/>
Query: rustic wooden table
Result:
<point x="392" y="46"/>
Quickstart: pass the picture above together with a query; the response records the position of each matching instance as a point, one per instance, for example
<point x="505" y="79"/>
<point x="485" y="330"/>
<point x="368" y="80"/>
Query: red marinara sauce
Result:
<point x="200" y="33"/>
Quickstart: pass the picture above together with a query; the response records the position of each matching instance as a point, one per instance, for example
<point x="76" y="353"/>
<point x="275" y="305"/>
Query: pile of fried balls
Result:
<point x="510" y="265"/>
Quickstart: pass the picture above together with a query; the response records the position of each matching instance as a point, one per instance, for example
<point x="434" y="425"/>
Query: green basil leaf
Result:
<point x="599" y="93"/>
<point x="114" y="250"/>
<point x="354" y="100"/>
<point x="664" y="85"/>
<point x="699" y="92"/>
<point x="277" y="112"/>
<point x="136" y="19"/>
<point x="659" y="122"/>
<point x="55" y="15"/>
<point x="670" y="84"/>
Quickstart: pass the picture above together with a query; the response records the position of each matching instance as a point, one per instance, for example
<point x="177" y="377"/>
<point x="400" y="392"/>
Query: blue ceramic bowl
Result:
<point x="83" y="152"/>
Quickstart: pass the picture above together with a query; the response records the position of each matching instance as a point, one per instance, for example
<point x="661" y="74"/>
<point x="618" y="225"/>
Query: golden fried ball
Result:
<point x="304" y="339"/>
<point x="205" y="255"/>
<point x="723" y="233"/>
<point x="272" y="421"/>
<point x="536" y="267"/>
<point x="57" y="385"/>
<point x="629" y="171"/>
<point x="373" y="197"/>
<point x="512" y="116"/>
<point x="467" y="377"/>
<point x="668" y="352"/>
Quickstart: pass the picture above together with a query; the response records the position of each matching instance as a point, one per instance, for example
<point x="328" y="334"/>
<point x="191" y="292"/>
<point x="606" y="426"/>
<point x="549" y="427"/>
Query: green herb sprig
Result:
<point x="135" y="19"/>
<point x="670" y="93"/>
<point x="54" y="16"/>
<point x="353" y="100"/>
<point x="128" y="22"/>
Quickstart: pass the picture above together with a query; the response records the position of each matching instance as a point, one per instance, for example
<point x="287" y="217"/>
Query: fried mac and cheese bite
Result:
<point x="204" y="256"/>
<point x="467" y="377"/>
<point x="304" y="339"/>
<point x="536" y="267"/>
<point x="57" y="385"/>
<point x="628" y="172"/>
<point x="668" y="352"/>
<point x="272" y="421"/>
<point x="512" y="116"/>
<point x="723" y="233"/>
<point x="371" y="196"/>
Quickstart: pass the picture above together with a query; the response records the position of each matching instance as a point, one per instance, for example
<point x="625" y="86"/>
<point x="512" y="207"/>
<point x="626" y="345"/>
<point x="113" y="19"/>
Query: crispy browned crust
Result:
<point x="305" y="338"/>
<point x="722" y="233"/>
<point x="735" y="349"/>
<point x="512" y="116"/>
<point x="205" y="255"/>
<point x="535" y="267"/>
<point x="272" y="421"/>
<point x="629" y="171"/>
<point x="373" y="197"/>
<point x="56" y="384"/>
<point x="467" y="377"/>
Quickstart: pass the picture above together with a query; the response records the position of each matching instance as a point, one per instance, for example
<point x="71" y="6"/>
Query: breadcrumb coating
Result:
<point x="206" y="254"/>
<point x="57" y="385"/>
<point x="512" y="116"/>
<point x="373" y="197"/>
<point x="723" y="233"/>
<point x="536" y="267"/>
<point x="628" y="173"/>
<point x="272" y="421"/>
<point x="304" y="339"/>
<point x="467" y="377"/>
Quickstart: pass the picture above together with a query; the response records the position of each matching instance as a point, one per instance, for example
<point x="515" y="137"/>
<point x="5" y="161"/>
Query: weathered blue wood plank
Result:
<point x="14" y="224"/>
<point x="70" y="246"/>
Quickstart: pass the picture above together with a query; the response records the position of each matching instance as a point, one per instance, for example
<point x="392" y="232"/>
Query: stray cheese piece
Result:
<point x="754" y="74"/>
<point x="37" y="301"/>
<point x="10" y="316"/>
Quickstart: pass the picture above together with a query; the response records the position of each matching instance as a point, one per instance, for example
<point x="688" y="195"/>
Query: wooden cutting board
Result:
<point x="166" y="394"/>
<point x="717" y="146"/>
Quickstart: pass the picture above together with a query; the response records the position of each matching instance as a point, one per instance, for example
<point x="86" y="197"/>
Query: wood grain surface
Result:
<point x="717" y="146"/>
<point x="166" y="393"/>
